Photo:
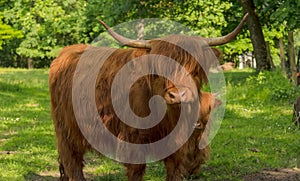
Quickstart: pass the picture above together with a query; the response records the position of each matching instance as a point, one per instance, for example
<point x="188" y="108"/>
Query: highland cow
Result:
<point x="72" y="144"/>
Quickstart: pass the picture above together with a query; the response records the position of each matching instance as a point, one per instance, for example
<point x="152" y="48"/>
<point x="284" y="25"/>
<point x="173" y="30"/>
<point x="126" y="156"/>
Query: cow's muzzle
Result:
<point x="178" y="95"/>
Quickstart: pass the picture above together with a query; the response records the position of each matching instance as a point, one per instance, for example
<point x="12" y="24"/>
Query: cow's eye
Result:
<point x="172" y="96"/>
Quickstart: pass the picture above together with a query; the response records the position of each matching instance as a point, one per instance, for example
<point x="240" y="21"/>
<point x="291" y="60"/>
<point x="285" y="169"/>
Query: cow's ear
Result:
<point x="217" y="103"/>
<point x="217" y="53"/>
<point x="139" y="52"/>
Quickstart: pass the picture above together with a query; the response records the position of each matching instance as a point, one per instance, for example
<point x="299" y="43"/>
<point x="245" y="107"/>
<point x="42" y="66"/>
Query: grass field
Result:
<point x="256" y="132"/>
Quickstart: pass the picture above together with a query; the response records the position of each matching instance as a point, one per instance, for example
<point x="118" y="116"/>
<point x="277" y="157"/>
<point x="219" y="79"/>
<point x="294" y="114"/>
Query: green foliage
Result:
<point x="205" y="17"/>
<point x="275" y="87"/>
<point x="288" y="11"/>
<point x="243" y="44"/>
<point x="276" y="18"/>
<point x="7" y="32"/>
<point x="47" y="26"/>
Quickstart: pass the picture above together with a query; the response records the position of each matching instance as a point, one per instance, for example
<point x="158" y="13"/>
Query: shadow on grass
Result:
<point x="89" y="177"/>
<point x="235" y="77"/>
<point x="36" y="177"/>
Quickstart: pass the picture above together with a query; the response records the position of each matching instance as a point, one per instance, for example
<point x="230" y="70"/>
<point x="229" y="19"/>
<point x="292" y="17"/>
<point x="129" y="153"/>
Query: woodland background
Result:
<point x="33" y="31"/>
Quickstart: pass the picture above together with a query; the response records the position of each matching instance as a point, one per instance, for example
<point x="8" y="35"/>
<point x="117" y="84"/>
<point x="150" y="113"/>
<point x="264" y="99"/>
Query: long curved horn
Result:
<point x="227" y="38"/>
<point x="126" y="41"/>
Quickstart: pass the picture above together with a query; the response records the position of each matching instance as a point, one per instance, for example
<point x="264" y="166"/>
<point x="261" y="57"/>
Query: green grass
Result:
<point x="25" y="127"/>
<point x="256" y="132"/>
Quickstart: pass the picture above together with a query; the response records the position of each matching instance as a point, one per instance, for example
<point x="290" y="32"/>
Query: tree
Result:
<point x="47" y="27"/>
<point x="256" y="35"/>
<point x="7" y="35"/>
<point x="288" y="11"/>
<point x="292" y="57"/>
<point x="281" y="47"/>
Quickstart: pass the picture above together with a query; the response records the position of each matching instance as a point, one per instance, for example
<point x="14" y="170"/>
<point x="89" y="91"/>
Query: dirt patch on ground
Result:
<point x="275" y="175"/>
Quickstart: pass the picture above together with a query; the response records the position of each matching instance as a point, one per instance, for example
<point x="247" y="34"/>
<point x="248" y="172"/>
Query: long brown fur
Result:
<point x="71" y="143"/>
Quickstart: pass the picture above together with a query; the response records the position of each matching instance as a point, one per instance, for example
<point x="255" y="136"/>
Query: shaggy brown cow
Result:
<point x="72" y="145"/>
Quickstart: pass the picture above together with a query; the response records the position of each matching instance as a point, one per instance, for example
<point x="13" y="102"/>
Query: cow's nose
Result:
<point x="178" y="96"/>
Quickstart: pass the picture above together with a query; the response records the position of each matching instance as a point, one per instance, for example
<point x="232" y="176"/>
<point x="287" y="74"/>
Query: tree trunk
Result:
<point x="292" y="57"/>
<point x="253" y="60"/>
<point x="256" y="35"/>
<point x="269" y="57"/>
<point x="140" y="30"/>
<point x="30" y="63"/>
<point x="298" y="61"/>
<point x="232" y="57"/>
<point x="281" y="48"/>
<point x="296" y="112"/>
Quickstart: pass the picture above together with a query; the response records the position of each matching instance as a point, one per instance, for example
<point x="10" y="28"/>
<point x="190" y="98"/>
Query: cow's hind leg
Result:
<point x="63" y="176"/>
<point x="135" y="172"/>
<point x="71" y="160"/>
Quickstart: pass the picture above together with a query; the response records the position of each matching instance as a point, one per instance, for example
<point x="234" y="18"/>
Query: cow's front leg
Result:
<point x="174" y="169"/>
<point x="135" y="172"/>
